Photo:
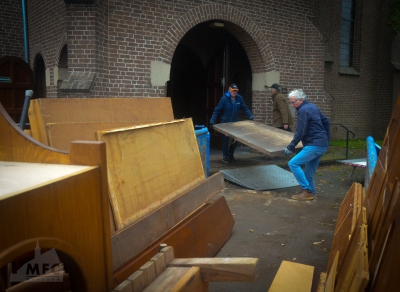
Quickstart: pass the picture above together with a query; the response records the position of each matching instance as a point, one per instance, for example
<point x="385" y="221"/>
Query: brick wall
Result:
<point x="118" y="39"/>
<point x="11" y="29"/>
<point x="363" y="102"/>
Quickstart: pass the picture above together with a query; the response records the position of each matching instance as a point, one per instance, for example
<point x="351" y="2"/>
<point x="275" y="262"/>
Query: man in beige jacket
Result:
<point x="281" y="115"/>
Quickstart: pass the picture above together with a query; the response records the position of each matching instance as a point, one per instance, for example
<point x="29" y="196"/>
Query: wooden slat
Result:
<point x="330" y="281"/>
<point x="344" y="225"/>
<point x="60" y="135"/>
<point x="201" y="234"/>
<point x="259" y="136"/>
<point x="222" y="269"/>
<point x="167" y="280"/>
<point x="149" y="166"/>
<point x="292" y="277"/>
<point x="191" y="282"/>
<point x="125" y="242"/>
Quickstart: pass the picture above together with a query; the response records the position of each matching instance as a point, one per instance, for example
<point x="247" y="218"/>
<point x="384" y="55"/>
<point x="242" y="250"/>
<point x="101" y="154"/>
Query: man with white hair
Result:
<point x="313" y="130"/>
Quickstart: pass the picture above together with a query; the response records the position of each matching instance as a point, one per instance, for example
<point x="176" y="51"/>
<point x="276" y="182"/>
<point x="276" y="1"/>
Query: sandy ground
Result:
<point x="272" y="227"/>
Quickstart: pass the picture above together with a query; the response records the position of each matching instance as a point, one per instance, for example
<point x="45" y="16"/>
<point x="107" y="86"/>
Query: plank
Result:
<point x="85" y="110"/>
<point x="344" y="225"/>
<point x="167" y="280"/>
<point x="300" y="278"/>
<point x="61" y="134"/>
<point x="266" y="139"/>
<point x="159" y="262"/>
<point x="125" y="242"/>
<point x="330" y="281"/>
<point x="191" y="281"/>
<point x="201" y="234"/>
<point x="149" y="166"/>
<point x="137" y="281"/>
<point x="222" y="269"/>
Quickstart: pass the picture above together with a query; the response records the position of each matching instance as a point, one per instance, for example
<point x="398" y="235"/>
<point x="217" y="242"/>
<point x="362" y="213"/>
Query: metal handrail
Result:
<point x="347" y="137"/>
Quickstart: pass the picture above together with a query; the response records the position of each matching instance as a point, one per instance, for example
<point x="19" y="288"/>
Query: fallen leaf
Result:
<point x="319" y="242"/>
<point x="251" y="230"/>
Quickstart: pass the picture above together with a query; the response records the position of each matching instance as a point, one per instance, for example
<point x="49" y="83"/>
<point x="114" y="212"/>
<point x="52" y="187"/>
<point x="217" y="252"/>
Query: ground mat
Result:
<point x="261" y="177"/>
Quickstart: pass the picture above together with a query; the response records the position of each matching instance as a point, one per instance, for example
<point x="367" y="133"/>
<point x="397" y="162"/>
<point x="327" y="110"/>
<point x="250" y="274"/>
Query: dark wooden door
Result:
<point x="216" y="86"/>
<point x="16" y="78"/>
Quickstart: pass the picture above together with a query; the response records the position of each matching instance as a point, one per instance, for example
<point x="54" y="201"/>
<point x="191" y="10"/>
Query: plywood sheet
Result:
<point x="292" y="277"/>
<point x="266" y="139"/>
<point x="96" y="110"/>
<point x="60" y="135"/>
<point x="149" y="166"/>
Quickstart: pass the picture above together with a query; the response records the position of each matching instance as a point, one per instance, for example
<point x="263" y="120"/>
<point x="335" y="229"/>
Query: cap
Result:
<point x="276" y="86"/>
<point x="234" y="87"/>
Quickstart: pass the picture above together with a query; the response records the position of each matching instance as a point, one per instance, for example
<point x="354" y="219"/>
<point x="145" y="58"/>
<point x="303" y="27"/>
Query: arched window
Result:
<point x="347" y="33"/>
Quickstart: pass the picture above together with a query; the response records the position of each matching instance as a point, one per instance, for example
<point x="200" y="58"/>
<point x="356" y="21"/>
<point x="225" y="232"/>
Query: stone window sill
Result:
<point x="348" y="71"/>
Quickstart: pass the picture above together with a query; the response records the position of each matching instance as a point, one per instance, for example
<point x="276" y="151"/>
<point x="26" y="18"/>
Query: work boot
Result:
<point x="304" y="196"/>
<point x="231" y="158"/>
<point x="225" y="159"/>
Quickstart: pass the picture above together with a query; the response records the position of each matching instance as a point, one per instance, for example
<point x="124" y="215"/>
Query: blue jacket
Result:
<point x="229" y="110"/>
<point x="313" y="127"/>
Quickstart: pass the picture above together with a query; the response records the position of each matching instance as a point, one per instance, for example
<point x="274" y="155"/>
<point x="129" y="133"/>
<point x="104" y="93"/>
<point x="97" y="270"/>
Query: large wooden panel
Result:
<point x="60" y="135"/>
<point x="292" y="277"/>
<point x="126" y="244"/>
<point x="60" y="208"/>
<point x="150" y="165"/>
<point x="201" y="234"/>
<point x="261" y="137"/>
<point x="95" y="110"/>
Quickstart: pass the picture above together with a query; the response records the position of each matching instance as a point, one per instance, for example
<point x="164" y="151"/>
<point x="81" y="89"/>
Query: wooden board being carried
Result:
<point x="266" y="139"/>
<point x="149" y="165"/>
<point x="100" y="111"/>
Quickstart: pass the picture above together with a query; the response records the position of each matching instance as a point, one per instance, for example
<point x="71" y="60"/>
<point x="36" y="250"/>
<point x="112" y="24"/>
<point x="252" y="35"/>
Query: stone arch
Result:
<point x="241" y="26"/>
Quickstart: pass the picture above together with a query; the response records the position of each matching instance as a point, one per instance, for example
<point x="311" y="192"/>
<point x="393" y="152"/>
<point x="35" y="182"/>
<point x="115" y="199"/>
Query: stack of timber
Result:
<point x="164" y="272"/>
<point x="365" y="254"/>
<point x="58" y="121"/>
<point x="178" y="207"/>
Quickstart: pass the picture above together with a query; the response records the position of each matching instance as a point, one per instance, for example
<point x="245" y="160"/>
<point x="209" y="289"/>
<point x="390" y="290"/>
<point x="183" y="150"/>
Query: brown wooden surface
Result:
<point x="126" y="244"/>
<point x="383" y="202"/>
<point x="60" y="135"/>
<point x="292" y="277"/>
<point x="266" y="139"/>
<point x="344" y="225"/>
<point x="47" y="221"/>
<point x="149" y="166"/>
<point x="222" y="269"/>
<point x="95" y="110"/>
<point x="16" y="146"/>
<point x="192" y="237"/>
<point x="330" y="281"/>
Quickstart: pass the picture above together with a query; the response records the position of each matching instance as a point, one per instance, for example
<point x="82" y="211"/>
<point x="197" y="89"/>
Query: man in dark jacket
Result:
<point x="281" y="115"/>
<point x="313" y="130"/>
<point x="228" y="108"/>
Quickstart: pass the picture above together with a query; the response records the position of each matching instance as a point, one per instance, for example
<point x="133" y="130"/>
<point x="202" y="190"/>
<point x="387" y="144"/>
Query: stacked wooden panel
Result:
<point x="58" y="121"/>
<point x="383" y="211"/>
<point x="157" y="188"/>
<point x="366" y="254"/>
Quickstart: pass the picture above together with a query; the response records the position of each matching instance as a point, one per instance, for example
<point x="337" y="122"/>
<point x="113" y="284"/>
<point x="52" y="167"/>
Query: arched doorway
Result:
<point x="40" y="77"/>
<point x="206" y="61"/>
<point x="15" y="78"/>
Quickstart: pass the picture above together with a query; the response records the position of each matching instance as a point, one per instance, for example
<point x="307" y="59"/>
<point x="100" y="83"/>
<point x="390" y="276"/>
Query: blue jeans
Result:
<point x="228" y="146"/>
<point x="309" y="156"/>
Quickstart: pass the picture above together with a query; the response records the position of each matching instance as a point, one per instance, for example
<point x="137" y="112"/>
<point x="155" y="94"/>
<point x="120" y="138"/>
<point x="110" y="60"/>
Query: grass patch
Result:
<point x="353" y="143"/>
